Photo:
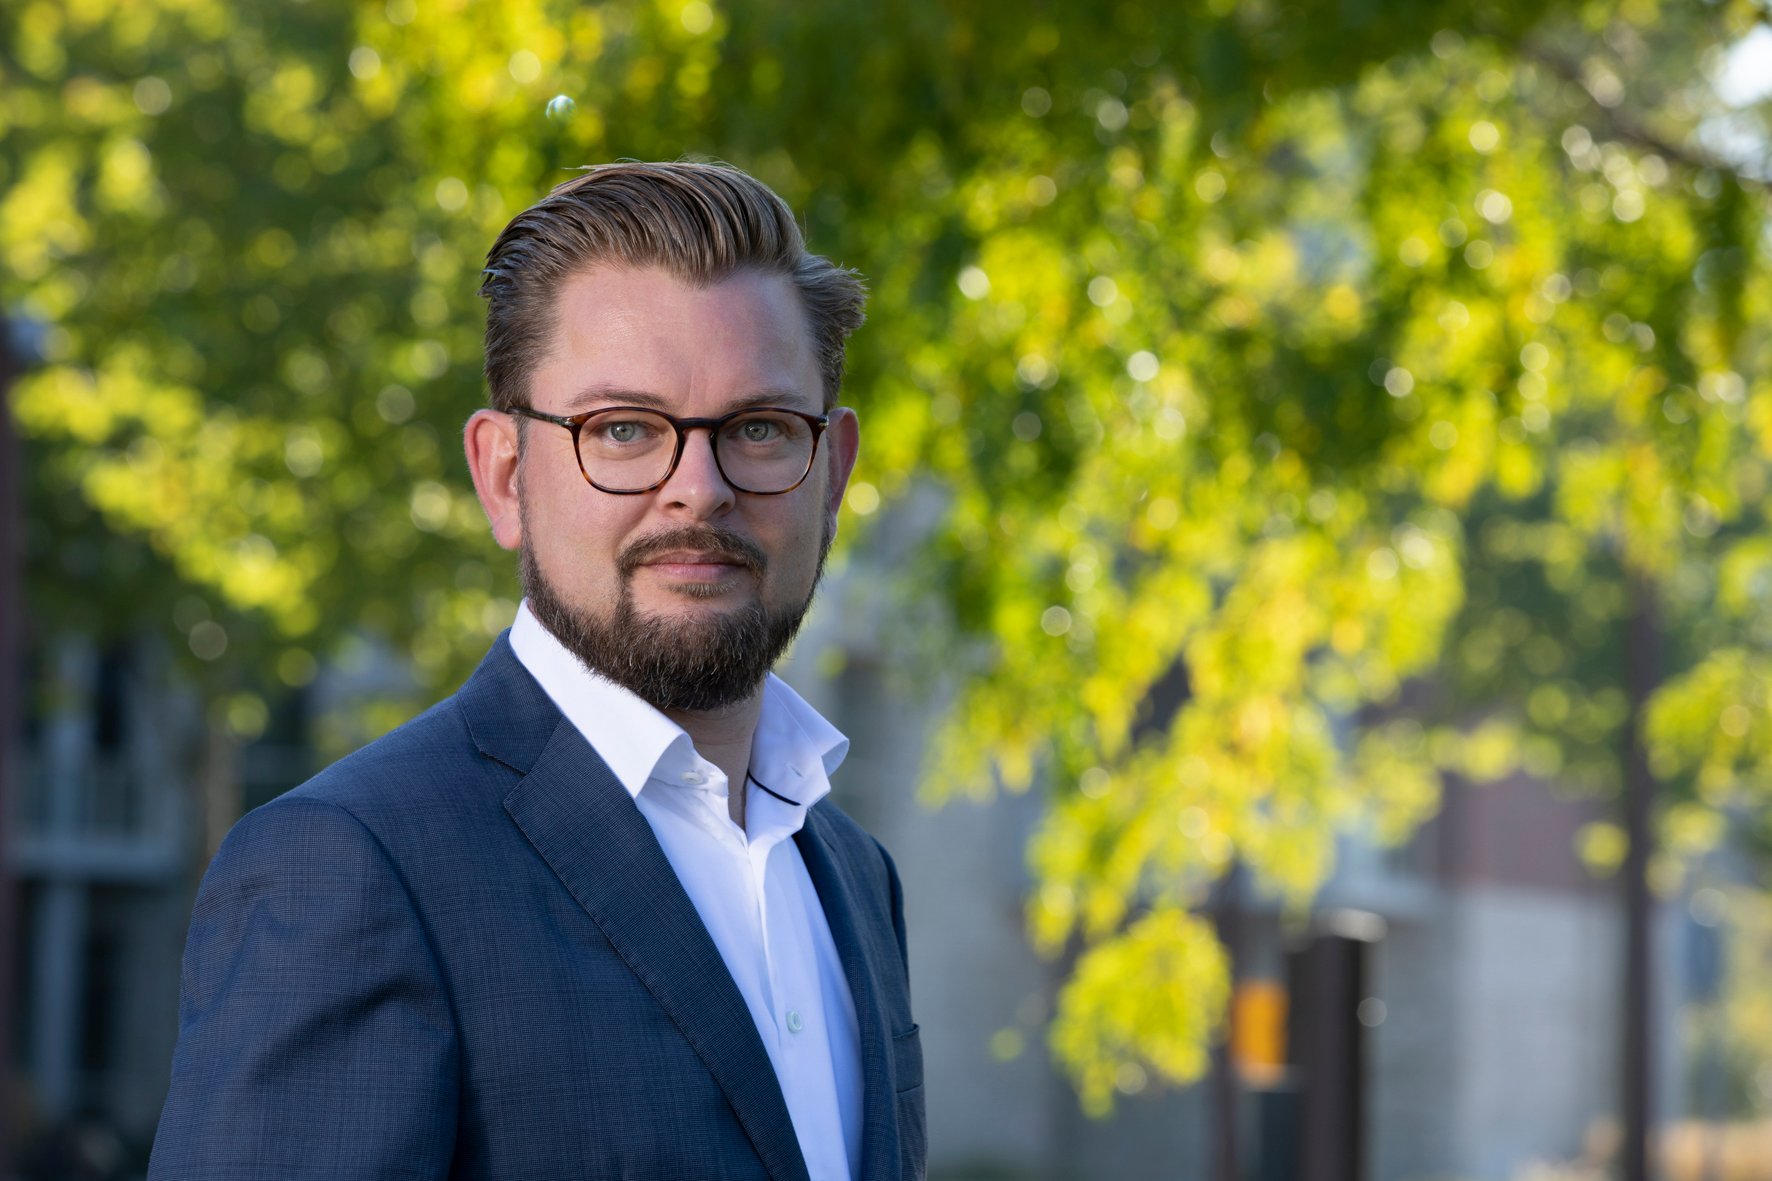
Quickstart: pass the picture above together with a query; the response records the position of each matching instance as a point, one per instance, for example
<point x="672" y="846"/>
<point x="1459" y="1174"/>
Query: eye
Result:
<point x="623" y="432"/>
<point x="767" y="430"/>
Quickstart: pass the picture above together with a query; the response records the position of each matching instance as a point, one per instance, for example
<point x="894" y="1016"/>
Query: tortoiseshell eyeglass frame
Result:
<point x="575" y="423"/>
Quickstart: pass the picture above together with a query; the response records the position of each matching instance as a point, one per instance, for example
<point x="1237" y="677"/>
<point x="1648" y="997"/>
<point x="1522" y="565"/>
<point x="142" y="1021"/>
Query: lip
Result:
<point x="694" y="565"/>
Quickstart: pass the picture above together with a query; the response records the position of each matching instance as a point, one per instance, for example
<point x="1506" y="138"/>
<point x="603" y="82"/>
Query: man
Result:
<point x="591" y="916"/>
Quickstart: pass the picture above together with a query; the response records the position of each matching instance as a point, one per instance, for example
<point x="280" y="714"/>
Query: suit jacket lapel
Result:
<point x="585" y="825"/>
<point x="856" y="937"/>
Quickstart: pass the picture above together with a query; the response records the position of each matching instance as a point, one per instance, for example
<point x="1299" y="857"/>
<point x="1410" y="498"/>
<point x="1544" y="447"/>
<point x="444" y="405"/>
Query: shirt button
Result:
<point x="694" y="777"/>
<point x="795" y="1025"/>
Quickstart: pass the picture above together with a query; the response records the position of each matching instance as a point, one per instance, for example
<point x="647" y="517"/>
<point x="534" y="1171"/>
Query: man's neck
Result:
<point x="723" y="738"/>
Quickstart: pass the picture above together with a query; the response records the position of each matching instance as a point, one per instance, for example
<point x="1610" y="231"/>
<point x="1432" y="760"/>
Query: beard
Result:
<point x="692" y="665"/>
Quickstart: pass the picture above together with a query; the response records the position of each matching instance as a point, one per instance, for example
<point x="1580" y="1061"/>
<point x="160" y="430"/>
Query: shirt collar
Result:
<point x="796" y="750"/>
<point x="793" y="754"/>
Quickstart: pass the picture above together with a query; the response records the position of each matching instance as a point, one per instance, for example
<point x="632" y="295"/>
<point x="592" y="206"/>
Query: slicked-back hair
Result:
<point x="699" y="222"/>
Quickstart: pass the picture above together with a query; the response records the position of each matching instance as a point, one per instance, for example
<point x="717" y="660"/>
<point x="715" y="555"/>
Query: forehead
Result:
<point x="693" y="347"/>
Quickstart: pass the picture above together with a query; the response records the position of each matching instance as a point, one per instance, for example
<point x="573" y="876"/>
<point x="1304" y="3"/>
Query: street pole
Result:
<point x="11" y="658"/>
<point x="1229" y="916"/>
<point x="1641" y="671"/>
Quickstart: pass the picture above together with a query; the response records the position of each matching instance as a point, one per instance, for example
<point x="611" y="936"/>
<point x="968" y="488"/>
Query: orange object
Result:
<point x="1258" y="1031"/>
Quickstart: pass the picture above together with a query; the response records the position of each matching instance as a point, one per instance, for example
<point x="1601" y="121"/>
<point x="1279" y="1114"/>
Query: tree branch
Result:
<point x="1621" y="125"/>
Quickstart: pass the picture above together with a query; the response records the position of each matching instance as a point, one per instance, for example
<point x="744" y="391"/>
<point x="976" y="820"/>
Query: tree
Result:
<point x="1216" y="333"/>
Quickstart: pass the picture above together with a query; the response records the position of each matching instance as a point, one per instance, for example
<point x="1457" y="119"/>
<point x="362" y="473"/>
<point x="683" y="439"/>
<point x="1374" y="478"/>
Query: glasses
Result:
<point x="627" y="450"/>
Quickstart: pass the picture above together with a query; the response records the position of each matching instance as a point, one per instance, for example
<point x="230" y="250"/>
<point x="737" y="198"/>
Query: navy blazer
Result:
<point x="460" y="953"/>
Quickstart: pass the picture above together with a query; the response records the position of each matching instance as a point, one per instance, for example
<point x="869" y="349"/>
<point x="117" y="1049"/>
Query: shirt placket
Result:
<point x="787" y="1009"/>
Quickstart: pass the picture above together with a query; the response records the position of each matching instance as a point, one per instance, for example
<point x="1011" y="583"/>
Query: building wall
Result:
<point x="1501" y="1039"/>
<point x="1536" y="1031"/>
<point x="1415" y="1077"/>
<point x="99" y="844"/>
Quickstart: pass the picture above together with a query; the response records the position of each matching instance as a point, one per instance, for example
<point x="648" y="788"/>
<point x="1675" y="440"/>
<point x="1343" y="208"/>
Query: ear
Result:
<point x="490" y="440"/>
<point x="842" y="443"/>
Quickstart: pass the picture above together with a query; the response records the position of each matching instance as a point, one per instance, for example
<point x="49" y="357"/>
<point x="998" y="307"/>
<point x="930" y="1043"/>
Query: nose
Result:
<point x="697" y="487"/>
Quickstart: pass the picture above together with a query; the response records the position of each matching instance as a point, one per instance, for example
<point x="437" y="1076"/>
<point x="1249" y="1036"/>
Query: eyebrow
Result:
<point x="596" y="396"/>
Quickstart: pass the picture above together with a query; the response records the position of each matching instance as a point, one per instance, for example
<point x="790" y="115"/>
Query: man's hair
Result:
<point x="699" y="222"/>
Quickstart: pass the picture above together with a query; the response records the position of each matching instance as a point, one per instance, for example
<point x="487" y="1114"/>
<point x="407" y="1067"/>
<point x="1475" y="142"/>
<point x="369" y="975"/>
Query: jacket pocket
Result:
<point x="907" y="1059"/>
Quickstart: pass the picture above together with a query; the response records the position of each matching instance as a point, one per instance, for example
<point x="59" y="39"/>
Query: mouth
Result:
<point x="695" y="565"/>
<point x="700" y="562"/>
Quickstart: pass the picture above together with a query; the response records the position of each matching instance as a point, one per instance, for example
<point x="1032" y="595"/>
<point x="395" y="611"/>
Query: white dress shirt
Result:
<point x="749" y="884"/>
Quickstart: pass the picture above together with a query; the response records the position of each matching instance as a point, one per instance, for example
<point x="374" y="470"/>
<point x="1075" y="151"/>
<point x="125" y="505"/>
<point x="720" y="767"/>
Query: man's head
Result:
<point x="686" y="291"/>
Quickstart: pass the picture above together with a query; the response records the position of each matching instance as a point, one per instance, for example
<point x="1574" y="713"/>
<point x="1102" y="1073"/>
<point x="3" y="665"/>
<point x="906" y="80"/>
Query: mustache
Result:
<point x="709" y="538"/>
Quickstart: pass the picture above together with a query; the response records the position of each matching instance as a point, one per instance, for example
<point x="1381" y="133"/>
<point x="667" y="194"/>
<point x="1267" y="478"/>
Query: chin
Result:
<point x="705" y="646"/>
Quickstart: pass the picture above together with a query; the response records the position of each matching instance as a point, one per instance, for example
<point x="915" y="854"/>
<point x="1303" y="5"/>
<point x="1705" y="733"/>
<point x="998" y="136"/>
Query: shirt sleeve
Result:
<point x="315" y="1033"/>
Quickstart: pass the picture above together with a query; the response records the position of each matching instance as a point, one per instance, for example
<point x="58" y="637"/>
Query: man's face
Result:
<point x="687" y="593"/>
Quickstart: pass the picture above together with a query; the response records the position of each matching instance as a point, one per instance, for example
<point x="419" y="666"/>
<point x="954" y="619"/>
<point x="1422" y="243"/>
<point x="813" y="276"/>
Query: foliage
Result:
<point x="1731" y="1029"/>
<point x="1266" y="357"/>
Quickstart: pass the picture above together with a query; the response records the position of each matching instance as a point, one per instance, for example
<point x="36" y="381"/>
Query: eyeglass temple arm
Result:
<point x="556" y="419"/>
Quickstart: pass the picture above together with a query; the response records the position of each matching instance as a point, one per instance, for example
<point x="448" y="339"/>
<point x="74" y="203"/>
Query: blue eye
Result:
<point x="626" y="432"/>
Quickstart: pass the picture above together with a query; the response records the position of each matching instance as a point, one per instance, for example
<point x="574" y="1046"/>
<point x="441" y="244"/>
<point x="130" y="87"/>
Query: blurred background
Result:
<point x="1304" y="613"/>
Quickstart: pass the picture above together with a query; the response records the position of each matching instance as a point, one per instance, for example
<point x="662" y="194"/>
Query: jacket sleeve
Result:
<point x="315" y="1033"/>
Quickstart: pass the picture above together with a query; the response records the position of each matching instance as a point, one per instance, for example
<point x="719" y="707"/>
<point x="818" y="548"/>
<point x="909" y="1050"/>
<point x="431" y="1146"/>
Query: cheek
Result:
<point x="575" y="549"/>
<point x="797" y="550"/>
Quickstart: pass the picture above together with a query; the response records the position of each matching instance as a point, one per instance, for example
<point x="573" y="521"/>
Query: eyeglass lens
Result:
<point x="626" y="450"/>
